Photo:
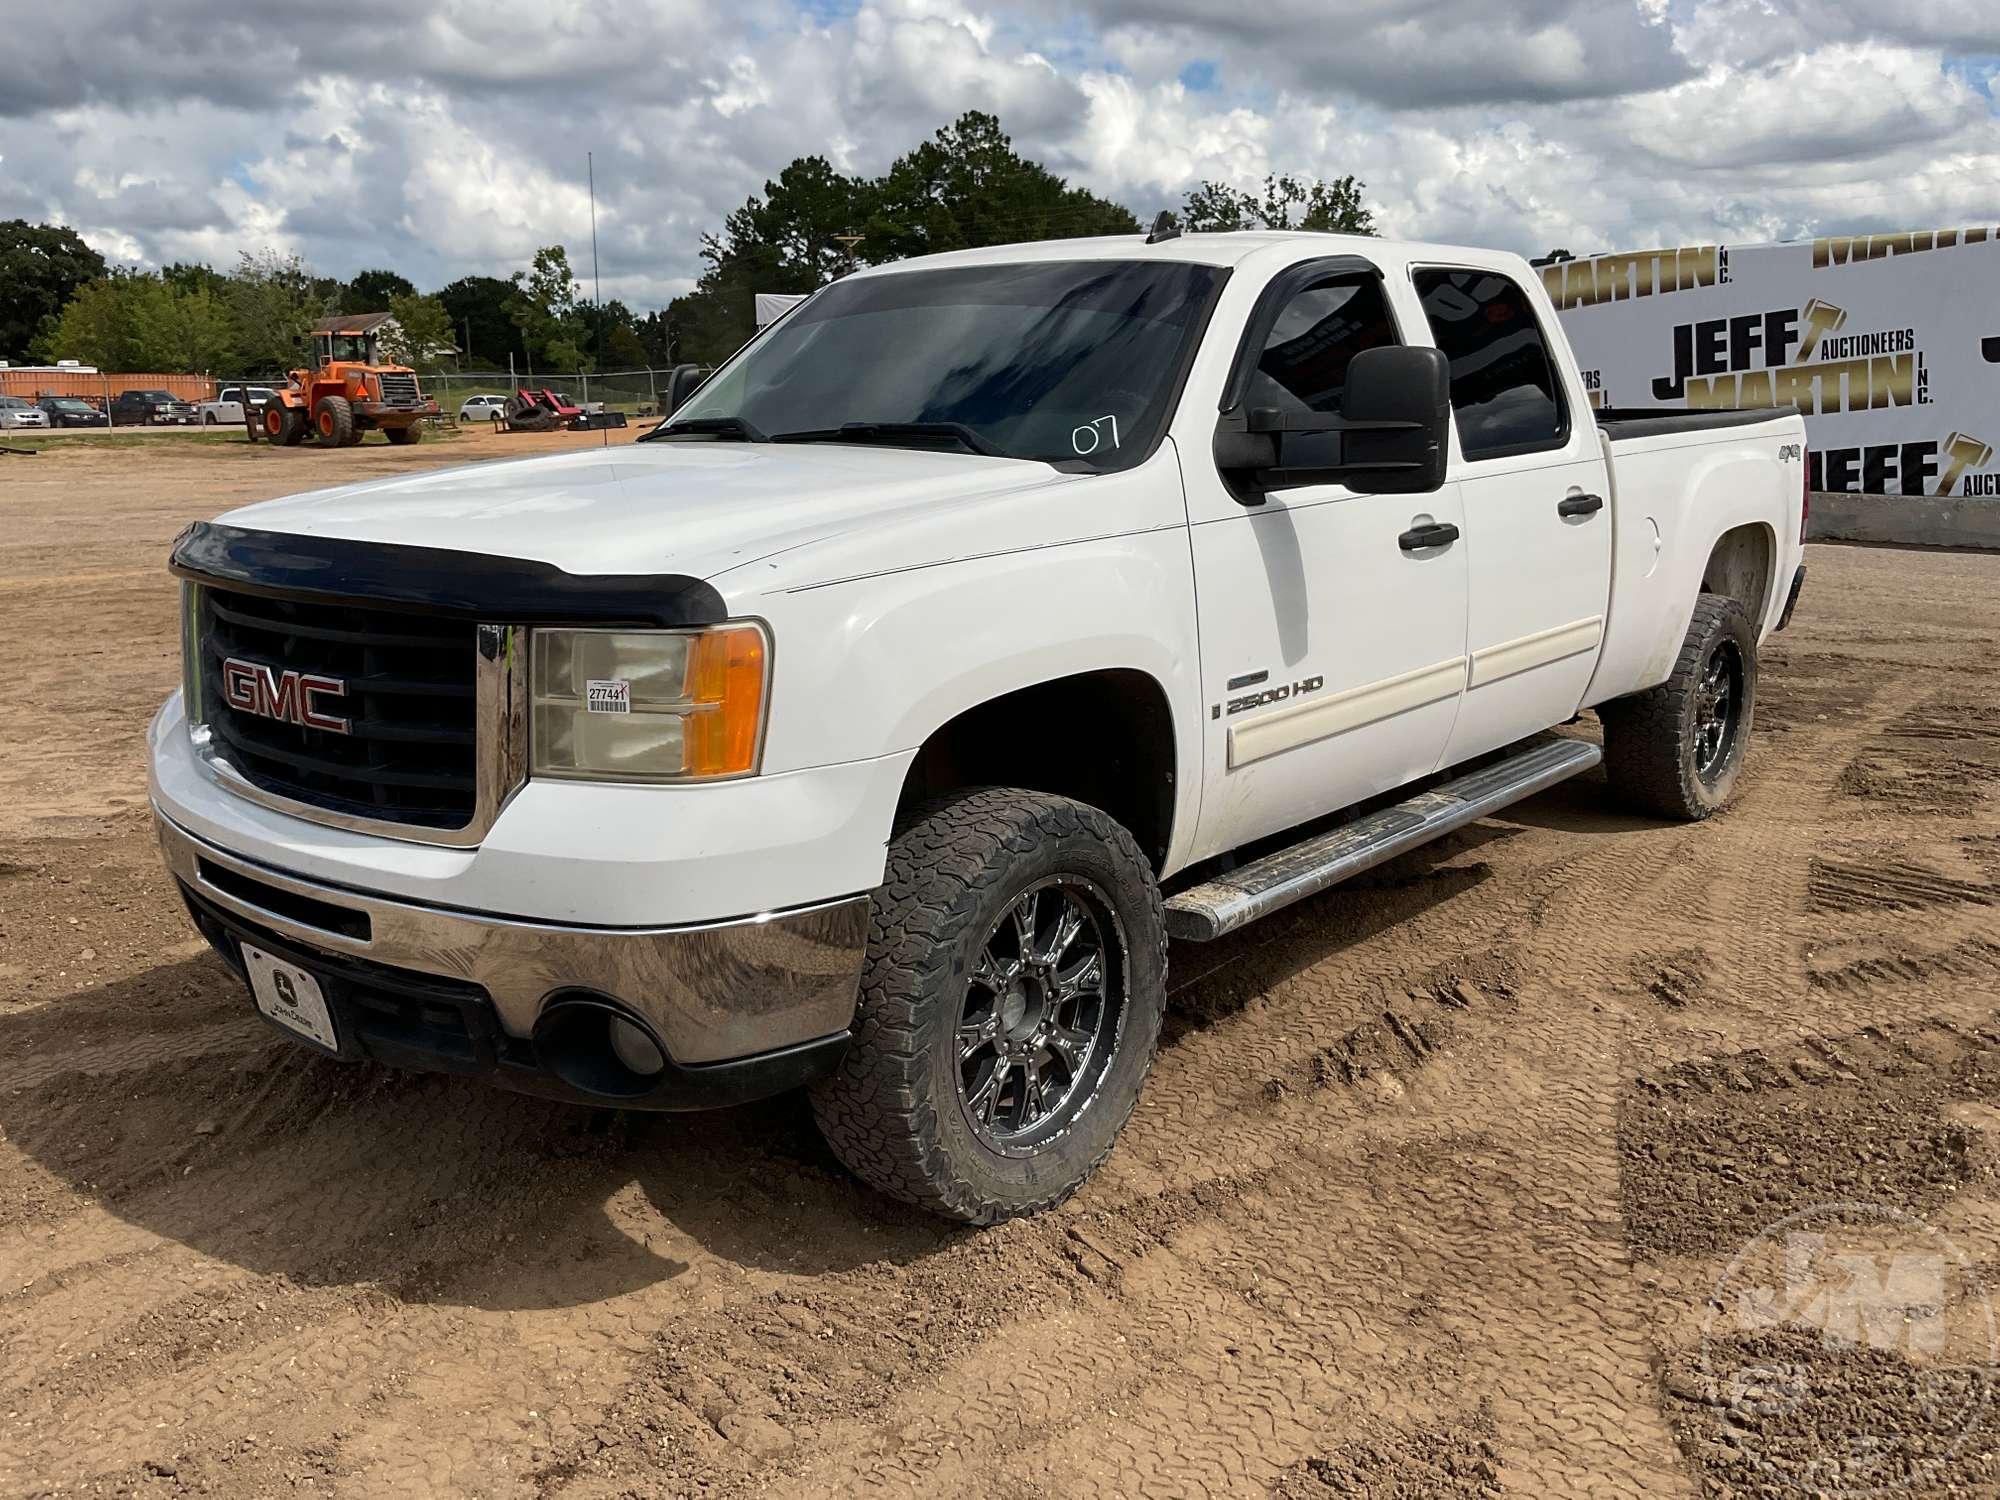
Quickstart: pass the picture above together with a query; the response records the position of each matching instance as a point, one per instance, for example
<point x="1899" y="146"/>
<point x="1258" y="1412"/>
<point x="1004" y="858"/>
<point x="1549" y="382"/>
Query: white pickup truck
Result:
<point x="991" y="618"/>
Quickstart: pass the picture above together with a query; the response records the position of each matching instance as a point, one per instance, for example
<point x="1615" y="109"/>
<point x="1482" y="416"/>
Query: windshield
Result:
<point x="1074" y="362"/>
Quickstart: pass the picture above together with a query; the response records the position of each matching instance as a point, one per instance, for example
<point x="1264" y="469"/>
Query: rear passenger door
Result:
<point x="1537" y="514"/>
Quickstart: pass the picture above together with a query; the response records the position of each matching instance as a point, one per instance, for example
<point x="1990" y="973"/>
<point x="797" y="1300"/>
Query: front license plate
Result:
<point x="290" y="996"/>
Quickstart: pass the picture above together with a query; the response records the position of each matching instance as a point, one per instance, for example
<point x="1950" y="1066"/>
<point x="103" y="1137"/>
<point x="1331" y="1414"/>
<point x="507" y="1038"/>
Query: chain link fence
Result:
<point x="637" y="393"/>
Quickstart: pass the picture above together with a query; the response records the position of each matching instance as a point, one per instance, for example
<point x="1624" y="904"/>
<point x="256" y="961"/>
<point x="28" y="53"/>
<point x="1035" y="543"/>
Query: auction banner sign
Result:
<point x="1889" y="343"/>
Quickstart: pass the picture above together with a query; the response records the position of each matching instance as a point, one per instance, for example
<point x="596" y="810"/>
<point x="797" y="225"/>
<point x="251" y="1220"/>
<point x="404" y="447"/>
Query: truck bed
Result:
<point x="1645" y="421"/>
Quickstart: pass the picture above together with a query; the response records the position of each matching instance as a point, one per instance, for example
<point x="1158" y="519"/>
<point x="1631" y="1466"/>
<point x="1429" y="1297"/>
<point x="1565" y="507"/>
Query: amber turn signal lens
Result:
<point x="726" y="684"/>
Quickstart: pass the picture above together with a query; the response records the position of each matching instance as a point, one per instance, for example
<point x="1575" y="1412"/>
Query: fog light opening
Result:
<point x="596" y="1048"/>
<point x="635" y="1049"/>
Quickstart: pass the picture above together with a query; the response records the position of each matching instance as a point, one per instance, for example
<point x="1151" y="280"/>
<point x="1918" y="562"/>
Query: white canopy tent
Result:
<point x="772" y="306"/>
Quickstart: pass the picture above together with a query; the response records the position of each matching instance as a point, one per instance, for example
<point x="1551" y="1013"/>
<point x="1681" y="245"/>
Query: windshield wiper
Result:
<point x="730" y="427"/>
<point x="870" y="432"/>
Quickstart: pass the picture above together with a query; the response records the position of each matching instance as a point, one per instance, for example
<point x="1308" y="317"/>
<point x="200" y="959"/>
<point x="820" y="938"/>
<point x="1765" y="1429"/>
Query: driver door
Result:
<point x="1332" y="650"/>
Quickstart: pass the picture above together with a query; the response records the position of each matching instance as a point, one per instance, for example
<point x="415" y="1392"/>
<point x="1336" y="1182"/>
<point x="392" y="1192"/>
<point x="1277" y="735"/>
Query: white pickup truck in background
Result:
<point x="229" y="408"/>
<point x="990" y="618"/>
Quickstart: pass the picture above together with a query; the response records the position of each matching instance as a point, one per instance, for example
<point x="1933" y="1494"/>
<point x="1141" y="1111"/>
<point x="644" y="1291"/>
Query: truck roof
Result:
<point x="1215" y="249"/>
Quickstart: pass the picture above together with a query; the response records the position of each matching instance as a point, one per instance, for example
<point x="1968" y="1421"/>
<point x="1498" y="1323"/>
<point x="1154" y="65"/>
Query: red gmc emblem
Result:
<point x="286" y="696"/>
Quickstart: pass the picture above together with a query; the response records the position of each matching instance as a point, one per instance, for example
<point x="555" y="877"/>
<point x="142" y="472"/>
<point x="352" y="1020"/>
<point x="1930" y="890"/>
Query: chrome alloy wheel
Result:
<point x="1043" y="1008"/>
<point x="1718" y="703"/>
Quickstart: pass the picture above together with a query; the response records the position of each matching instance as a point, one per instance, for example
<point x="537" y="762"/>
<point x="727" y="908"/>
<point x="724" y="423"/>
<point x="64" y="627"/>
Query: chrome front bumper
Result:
<point x="710" y="993"/>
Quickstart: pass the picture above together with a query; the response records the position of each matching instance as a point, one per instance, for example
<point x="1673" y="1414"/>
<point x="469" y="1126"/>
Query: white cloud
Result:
<point x="455" y="142"/>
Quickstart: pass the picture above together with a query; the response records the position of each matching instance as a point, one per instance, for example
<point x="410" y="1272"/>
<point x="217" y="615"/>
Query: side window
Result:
<point x="1303" y="366"/>
<point x="1504" y="391"/>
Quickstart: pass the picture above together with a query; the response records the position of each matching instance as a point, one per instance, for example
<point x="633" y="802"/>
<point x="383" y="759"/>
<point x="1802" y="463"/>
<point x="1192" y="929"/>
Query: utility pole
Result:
<point x="596" y="284"/>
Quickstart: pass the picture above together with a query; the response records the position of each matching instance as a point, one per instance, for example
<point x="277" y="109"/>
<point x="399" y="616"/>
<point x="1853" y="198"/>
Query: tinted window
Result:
<point x="1303" y="366"/>
<point x="1074" y="361"/>
<point x="1503" y="382"/>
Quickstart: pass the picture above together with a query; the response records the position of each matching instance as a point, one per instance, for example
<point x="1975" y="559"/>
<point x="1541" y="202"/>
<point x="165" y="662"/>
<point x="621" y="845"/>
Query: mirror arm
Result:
<point x="1270" y="419"/>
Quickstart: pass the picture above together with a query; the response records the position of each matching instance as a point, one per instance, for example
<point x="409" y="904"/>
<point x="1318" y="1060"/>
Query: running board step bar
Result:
<point x="1204" y="912"/>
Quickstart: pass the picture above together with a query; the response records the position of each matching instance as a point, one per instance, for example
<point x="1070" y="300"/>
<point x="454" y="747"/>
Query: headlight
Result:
<point x="648" y="705"/>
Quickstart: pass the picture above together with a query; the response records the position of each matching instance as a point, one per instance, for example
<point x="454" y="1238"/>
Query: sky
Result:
<point x="442" y="138"/>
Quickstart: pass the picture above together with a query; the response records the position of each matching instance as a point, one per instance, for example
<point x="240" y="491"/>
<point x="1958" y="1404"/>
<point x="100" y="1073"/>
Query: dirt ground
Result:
<point x="1436" y="1189"/>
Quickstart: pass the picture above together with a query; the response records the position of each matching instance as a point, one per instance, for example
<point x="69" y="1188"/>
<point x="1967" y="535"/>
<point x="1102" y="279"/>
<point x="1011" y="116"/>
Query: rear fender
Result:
<point x="1675" y="507"/>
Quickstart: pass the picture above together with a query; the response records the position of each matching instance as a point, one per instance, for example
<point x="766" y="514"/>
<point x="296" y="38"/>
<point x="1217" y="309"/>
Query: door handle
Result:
<point x="1579" y="505"/>
<point x="1434" y="534"/>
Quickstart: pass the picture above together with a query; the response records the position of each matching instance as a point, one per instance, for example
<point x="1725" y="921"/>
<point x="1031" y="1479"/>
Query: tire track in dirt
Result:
<point x="1370" y="1212"/>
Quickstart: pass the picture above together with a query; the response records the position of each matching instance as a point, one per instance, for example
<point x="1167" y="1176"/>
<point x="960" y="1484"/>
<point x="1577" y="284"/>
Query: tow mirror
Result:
<point x="681" y="385"/>
<point x="1394" y="426"/>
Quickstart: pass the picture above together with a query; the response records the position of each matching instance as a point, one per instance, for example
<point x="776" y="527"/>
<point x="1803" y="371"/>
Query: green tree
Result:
<point x="374" y="290"/>
<point x="1285" y="203"/>
<point x="193" y="276"/>
<point x="274" y="300"/>
<point x="421" y="335"/>
<point x="784" y="241"/>
<point x="184" y="332"/>
<point x="614" y="338"/>
<point x="481" y="325"/>
<point x="100" y="324"/>
<point x="656" y="338"/>
<point x="622" y="349"/>
<point x="42" y="266"/>
<point x="138" y="321"/>
<point x="965" y="186"/>
<point x="968" y="186"/>
<point x="545" y="307"/>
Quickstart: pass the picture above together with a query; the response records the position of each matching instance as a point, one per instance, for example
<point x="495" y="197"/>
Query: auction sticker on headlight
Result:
<point x="290" y="996"/>
<point x="607" y="696"/>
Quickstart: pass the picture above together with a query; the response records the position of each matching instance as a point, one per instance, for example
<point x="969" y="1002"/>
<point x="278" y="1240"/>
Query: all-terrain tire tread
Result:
<point x="1648" y="755"/>
<point x="875" y="1111"/>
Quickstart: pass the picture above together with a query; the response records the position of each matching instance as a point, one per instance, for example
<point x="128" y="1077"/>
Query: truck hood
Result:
<point x="694" y="508"/>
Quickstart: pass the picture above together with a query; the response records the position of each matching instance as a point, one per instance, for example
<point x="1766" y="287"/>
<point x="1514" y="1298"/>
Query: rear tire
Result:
<point x="333" y="422"/>
<point x="990" y="1071"/>
<point x="1676" y="750"/>
<point x="402" y="436"/>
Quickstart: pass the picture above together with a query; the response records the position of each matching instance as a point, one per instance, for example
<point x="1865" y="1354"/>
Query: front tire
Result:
<point x="284" y="425"/>
<point x="333" y="421"/>
<point x="1010" y="1006"/>
<point x="1676" y="750"/>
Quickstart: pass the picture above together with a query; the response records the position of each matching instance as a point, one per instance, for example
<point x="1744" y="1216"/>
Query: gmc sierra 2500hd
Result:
<point x="988" y="619"/>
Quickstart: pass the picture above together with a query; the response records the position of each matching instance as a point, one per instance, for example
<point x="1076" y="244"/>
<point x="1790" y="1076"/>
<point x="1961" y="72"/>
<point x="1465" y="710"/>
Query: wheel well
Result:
<point x="1105" y="738"/>
<point x="1739" y="568"/>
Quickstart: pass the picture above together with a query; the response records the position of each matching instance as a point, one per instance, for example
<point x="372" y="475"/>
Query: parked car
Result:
<point x="16" y="413"/>
<point x="482" y="408"/>
<point x="227" y="409"/>
<point x="875" y="721"/>
<point x="151" y="409"/>
<point x="72" y="411"/>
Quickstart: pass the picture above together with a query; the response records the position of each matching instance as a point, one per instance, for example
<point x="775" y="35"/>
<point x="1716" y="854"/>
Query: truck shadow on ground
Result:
<point x="164" y="1102"/>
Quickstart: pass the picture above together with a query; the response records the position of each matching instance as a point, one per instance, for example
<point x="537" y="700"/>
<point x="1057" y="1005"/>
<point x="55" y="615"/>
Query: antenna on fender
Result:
<point x="1165" y="227"/>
